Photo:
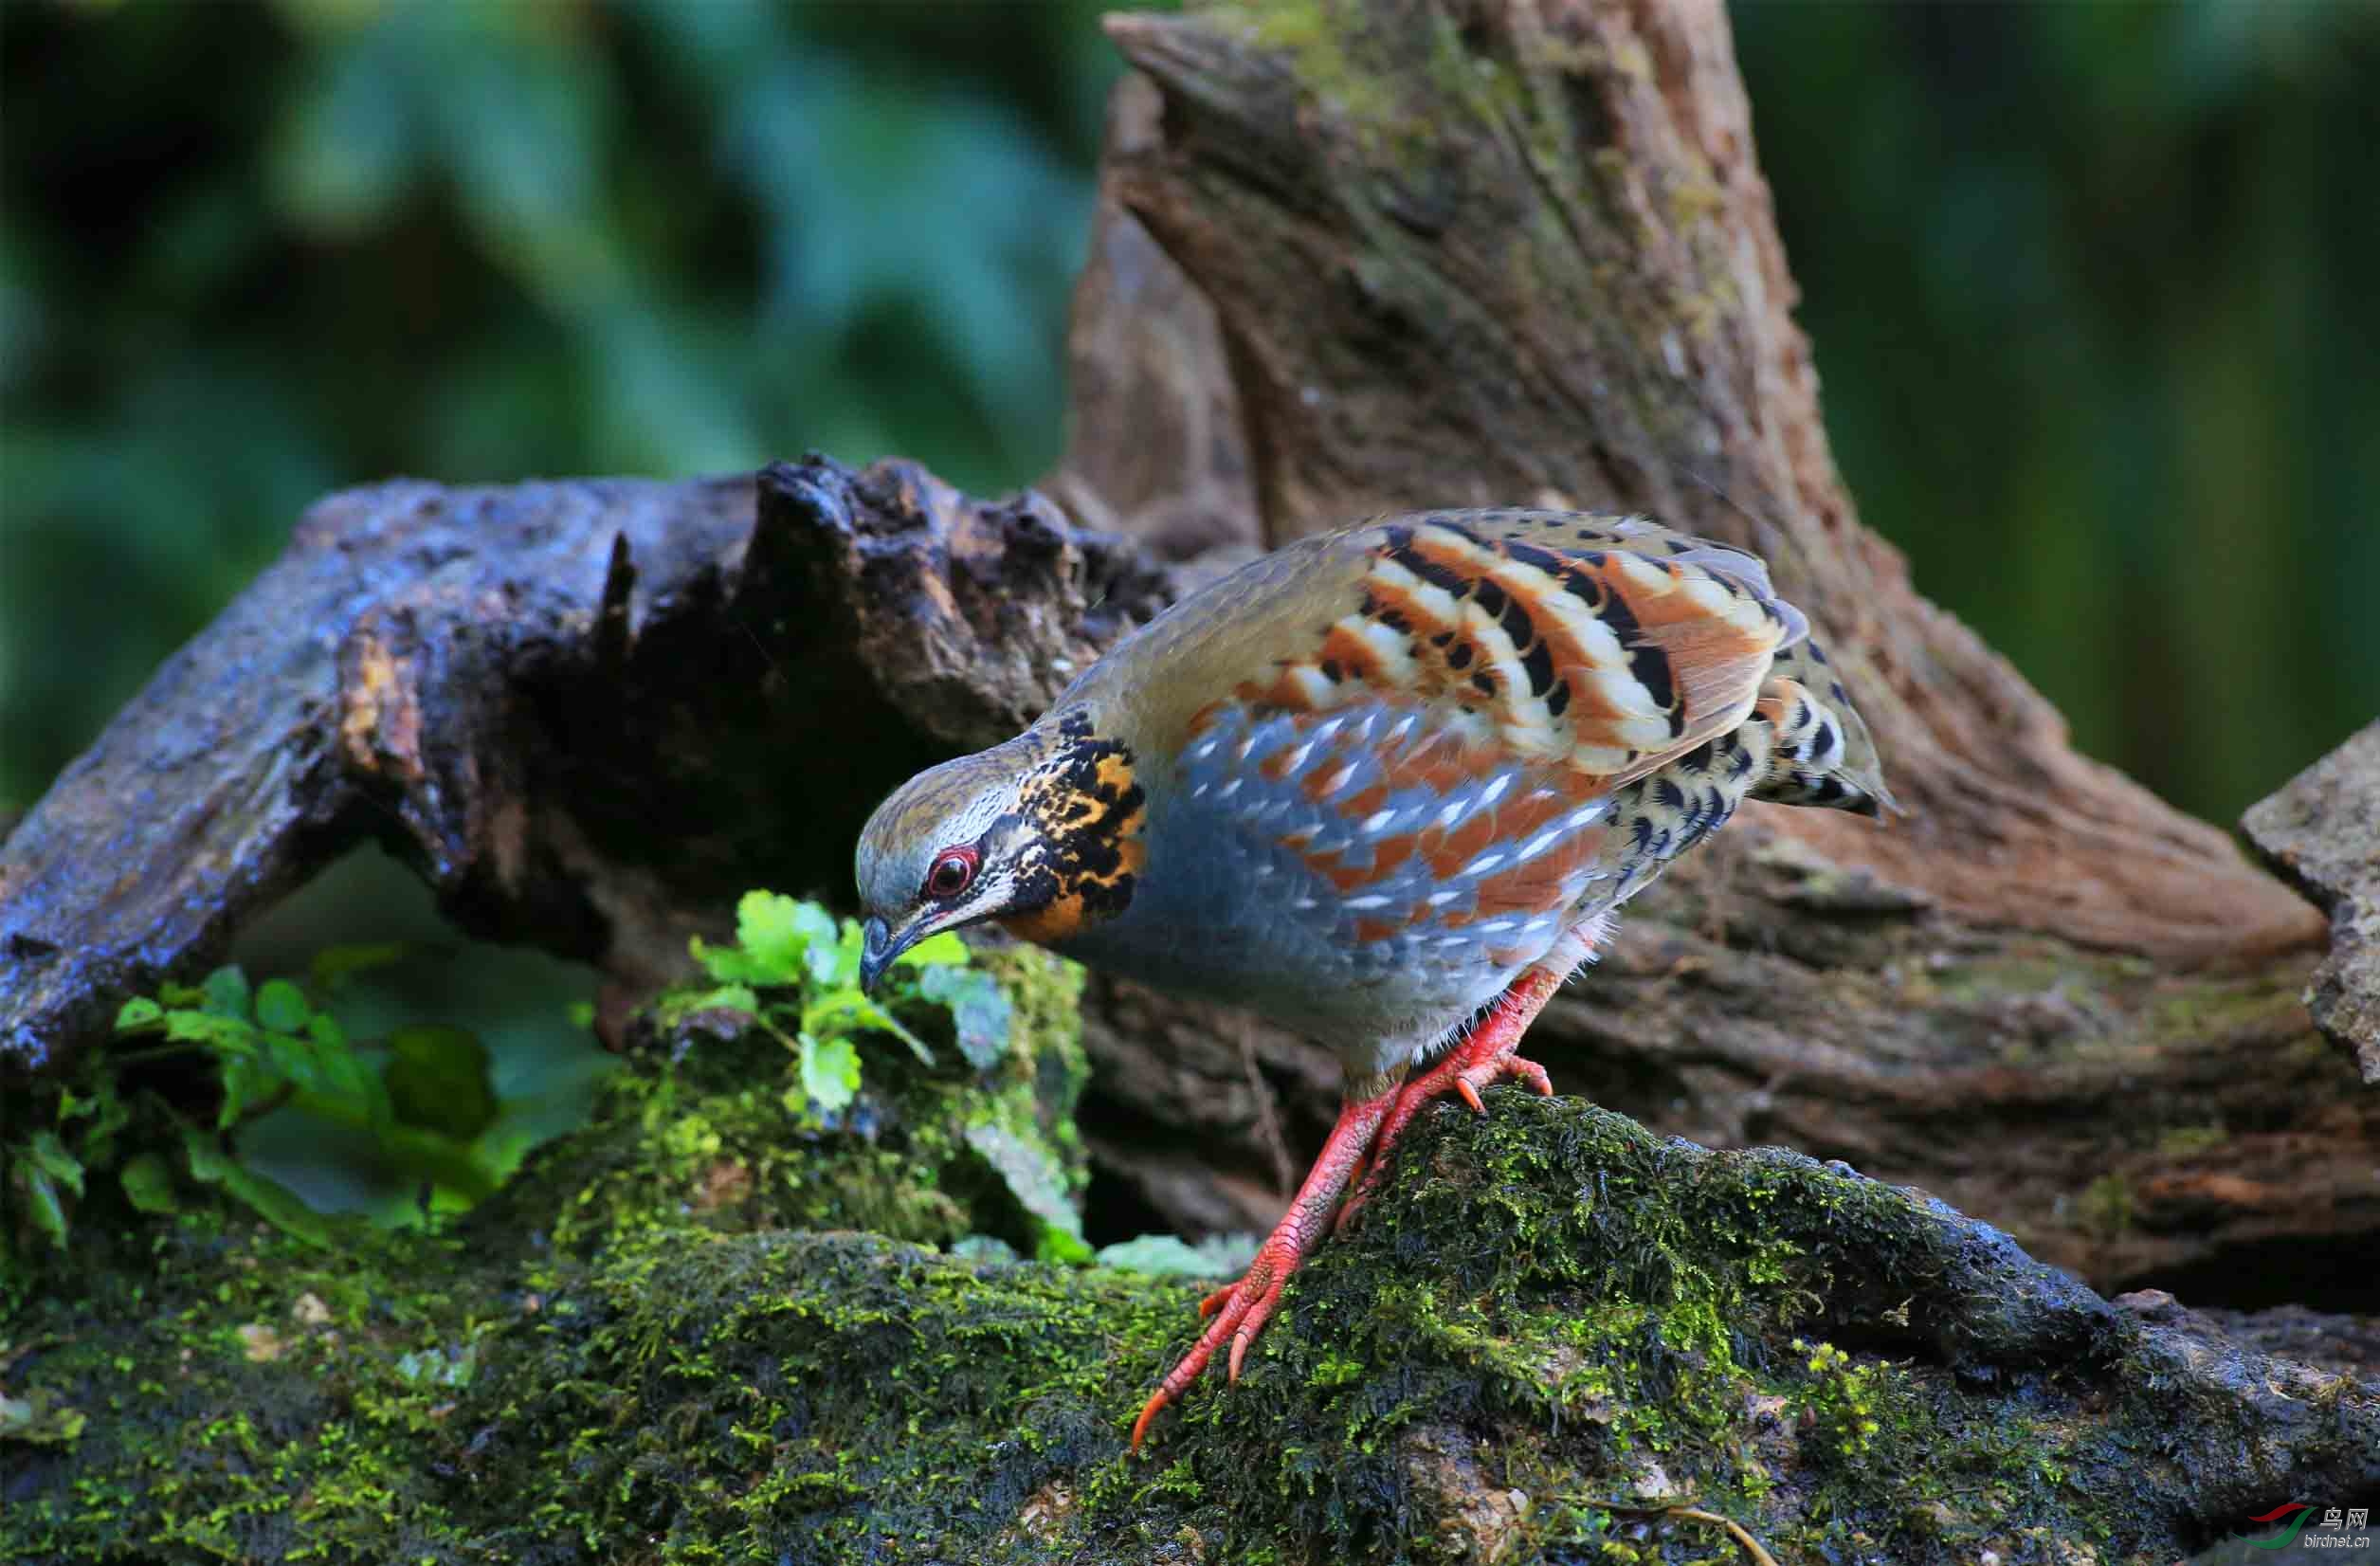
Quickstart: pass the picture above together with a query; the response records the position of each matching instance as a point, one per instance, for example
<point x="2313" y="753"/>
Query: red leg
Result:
<point x="1238" y="1313"/>
<point x="1483" y="1059"/>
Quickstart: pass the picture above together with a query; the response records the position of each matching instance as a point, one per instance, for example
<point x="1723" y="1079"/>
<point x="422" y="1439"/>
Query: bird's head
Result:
<point x="1043" y="835"/>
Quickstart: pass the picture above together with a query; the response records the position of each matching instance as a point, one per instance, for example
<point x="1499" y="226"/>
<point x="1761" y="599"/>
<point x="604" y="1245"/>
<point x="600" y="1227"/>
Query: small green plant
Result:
<point x="796" y="974"/>
<point x="1841" y="1404"/>
<point x="423" y="1095"/>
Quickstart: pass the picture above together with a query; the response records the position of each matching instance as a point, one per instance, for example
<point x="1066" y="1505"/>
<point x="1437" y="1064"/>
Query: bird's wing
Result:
<point x="1600" y="645"/>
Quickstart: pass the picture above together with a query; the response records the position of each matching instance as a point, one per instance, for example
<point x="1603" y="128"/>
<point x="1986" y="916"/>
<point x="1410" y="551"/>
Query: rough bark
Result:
<point x="1459" y="253"/>
<point x="2322" y="832"/>
<point x="1474" y="251"/>
<point x="590" y="713"/>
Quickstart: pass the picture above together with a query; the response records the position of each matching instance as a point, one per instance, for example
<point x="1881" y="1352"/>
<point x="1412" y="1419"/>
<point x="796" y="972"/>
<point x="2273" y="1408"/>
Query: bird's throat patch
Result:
<point x="1087" y="816"/>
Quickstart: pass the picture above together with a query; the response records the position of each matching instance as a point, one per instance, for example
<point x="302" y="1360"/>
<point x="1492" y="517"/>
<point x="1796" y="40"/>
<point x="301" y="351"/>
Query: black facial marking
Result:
<point x="1459" y="656"/>
<point x="1087" y="813"/>
<point x="1491" y="598"/>
<point x="1557" y="701"/>
<point x="1483" y="683"/>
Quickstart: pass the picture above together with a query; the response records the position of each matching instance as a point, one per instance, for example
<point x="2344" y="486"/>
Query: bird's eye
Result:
<point x="953" y="871"/>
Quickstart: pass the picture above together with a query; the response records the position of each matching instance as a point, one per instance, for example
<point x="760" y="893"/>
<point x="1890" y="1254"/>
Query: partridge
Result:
<point x="1387" y="786"/>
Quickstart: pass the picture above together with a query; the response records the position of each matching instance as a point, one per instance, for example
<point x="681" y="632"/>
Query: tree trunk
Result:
<point x="1474" y="253"/>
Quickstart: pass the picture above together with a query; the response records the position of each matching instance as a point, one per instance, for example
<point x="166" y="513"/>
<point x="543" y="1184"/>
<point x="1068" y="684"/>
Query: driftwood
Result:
<point x="590" y="713"/>
<point x="1412" y="254"/>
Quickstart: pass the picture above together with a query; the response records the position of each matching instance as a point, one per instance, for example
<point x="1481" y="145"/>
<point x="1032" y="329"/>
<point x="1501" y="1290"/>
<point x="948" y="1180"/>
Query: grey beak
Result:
<point x="877" y="951"/>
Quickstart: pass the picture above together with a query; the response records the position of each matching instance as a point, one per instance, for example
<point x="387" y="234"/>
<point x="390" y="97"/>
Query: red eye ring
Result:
<point x="952" y="872"/>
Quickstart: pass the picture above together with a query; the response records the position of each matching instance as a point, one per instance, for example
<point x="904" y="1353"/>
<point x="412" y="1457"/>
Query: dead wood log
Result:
<point x="588" y="713"/>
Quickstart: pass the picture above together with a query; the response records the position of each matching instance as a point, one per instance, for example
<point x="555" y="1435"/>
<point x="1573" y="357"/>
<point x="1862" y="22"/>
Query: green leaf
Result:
<point x="227" y="992"/>
<point x="49" y="1215"/>
<point x="679" y="1004"/>
<point x="148" y="1184"/>
<point x="138" y="1012"/>
<point x="846" y="970"/>
<point x="230" y="1035"/>
<point x="945" y="948"/>
<point x="1033" y="1175"/>
<point x="777" y="932"/>
<point x="437" y="1079"/>
<point x="269" y="1199"/>
<point x="335" y="965"/>
<point x="34" y="1420"/>
<point x="55" y="1161"/>
<point x="247" y="1083"/>
<point x="858" y="1007"/>
<point x="280" y="1005"/>
<point x="978" y="1006"/>
<point x="1167" y="1256"/>
<point x="830" y="1071"/>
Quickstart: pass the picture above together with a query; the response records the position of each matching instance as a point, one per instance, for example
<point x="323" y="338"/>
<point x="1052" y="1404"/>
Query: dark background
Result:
<point x="2091" y="287"/>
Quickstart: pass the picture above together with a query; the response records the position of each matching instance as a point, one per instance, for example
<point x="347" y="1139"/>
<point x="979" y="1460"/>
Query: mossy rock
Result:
<point x="1551" y="1331"/>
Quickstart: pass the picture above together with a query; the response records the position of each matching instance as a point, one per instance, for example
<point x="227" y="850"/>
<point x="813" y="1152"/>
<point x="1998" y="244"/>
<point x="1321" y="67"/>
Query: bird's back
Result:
<point x="1388" y="768"/>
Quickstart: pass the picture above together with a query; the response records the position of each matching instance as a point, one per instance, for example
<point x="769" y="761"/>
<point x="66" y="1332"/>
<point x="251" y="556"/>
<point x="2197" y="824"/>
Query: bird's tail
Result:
<point x="1818" y="750"/>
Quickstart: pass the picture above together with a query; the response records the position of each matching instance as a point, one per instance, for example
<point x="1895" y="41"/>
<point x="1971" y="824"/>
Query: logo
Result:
<point x="2297" y="1511"/>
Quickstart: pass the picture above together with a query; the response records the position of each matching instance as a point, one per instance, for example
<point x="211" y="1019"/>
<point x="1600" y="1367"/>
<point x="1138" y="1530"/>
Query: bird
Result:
<point x="1386" y="786"/>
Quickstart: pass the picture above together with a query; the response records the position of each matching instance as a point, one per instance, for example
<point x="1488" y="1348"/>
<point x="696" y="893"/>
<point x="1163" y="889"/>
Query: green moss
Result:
<point x="1550" y="1326"/>
<point x="719" y="1136"/>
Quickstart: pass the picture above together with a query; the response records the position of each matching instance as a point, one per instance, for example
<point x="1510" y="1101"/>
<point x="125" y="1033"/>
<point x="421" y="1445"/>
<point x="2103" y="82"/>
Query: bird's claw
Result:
<point x="1237" y="1312"/>
<point x="1464" y="1078"/>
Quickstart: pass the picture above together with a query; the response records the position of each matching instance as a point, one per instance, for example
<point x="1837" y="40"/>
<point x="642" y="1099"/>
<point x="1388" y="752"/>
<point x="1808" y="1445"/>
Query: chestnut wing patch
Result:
<point x="1607" y="647"/>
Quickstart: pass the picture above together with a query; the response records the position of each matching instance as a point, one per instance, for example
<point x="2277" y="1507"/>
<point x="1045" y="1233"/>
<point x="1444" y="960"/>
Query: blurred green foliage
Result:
<point x="2087" y="285"/>
<point x="2091" y="292"/>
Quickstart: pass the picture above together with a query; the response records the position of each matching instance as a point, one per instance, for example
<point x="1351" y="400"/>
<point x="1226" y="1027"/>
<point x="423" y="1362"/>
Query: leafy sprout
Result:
<point x="795" y="972"/>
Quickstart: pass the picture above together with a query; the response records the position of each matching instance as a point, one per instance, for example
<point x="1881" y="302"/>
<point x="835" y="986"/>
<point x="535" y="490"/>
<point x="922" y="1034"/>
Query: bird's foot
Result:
<point x="1487" y="1057"/>
<point x="1235" y="1315"/>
